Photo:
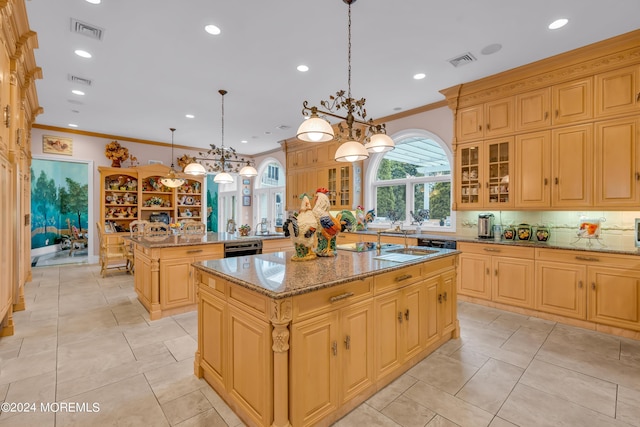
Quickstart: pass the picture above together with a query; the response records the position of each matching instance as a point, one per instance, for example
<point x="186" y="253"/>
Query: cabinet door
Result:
<point x="617" y="163"/>
<point x="212" y="336"/>
<point x="572" y="166"/>
<point x="447" y="302"/>
<point x="433" y="294"/>
<point x="512" y="281"/>
<point x="388" y="316"/>
<point x="497" y="170"/>
<point x="250" y="375"/>
<point x="344" y="183"/>
<point x="356" y="352"/>
<point x="474" y="279"/>
<point x="572" y="101"/>
<point x="618" y="91"/>
<point x="414" y="311"/>
<point x="560" y="289"/>
<point x="469" y="191"/>
<point x="177" y="287"/>
<point x="142" y="278"/>
<point x="532" y="110"/>
<point x="614" y="297"/>
<point x="469" y="123"/>
<point x="314" y="368"/>
<point x="499" y="117"/>
<point x="532" y="170"/>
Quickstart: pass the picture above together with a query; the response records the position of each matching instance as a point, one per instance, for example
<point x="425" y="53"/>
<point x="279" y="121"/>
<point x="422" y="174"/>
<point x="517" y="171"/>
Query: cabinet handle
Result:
<point x="580" y="284"/>
<point x="487" y="270"/>
<point x="637" y="176"/>
<point x="546" y="115"/>
<point x="444" y="296"/>
<point x="557" y="113"/>
<point x="403" y="277"/>
<point x="400" y="316"/>
<point x="556" y="180"/>
<point x="334" y="348"/>
<point x="194" y="251"/>
<point x="341" y="297"/>
<point x="488" y="126"/>
<point x="546" y="181"/>
<point x="406" y="314"/>
<point x="491" y="249"/>
<point x="486" y="184"/>
<point x="347" y="342"/>
<point x="440" y="298"/>
<point x="593" y="285"/>
<point x="495" y="272"/>
<point x="587" y="258"/>
<point x="638" y="97"/>
<point x="480" y="127"/>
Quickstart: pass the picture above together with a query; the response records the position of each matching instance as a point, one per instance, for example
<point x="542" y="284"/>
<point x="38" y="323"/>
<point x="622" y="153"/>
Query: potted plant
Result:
<point x="244" y="229"/>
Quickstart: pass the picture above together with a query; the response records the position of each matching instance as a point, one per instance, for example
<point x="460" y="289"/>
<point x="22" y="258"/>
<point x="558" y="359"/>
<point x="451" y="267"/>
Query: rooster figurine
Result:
<point x="329" y="225"/>
<point x="302" y="231"/>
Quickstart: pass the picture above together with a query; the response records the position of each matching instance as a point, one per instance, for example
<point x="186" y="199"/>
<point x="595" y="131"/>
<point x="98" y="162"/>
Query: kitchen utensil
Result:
<point x="485" y="225"/>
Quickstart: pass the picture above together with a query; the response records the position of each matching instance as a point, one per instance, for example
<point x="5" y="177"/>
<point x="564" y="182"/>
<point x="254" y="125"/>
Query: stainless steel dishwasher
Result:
<point x="242" y="248"/>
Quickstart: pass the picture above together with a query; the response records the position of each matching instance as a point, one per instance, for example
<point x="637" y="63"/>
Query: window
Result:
<point x="269" y="191"/>
<point x="411" y="185"/>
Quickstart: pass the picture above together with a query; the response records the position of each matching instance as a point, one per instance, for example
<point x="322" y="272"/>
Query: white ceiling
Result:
<point x="155" y="62"/>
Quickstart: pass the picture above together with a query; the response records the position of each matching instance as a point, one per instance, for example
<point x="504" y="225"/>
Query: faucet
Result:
<point x="405" y="238"/>
<point x="378" y="246"/>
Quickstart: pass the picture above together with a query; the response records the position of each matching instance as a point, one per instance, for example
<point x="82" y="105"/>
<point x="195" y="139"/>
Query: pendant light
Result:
<point x="223" y="177"/>
<point x="172" y="180"/>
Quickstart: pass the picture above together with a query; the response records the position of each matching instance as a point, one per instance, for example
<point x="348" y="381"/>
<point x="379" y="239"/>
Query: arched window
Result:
<point x="270" y="193"/>
<point x="411" y="185"/>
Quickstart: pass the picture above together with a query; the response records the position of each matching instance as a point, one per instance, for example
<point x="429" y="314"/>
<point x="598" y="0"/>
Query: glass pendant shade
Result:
<point x="379" y="143"/>
<point x="351" y="151"/>
<point x="223" y="178"/>
<point x="315" y="129"/>
<point x="248" y="171"/>
<point x="195" y="168"/>
<point x="171" y="180"/>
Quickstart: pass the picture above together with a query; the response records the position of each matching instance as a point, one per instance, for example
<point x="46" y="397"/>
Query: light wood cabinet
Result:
<point x="560" y="288"/>
<point x="276" y="245"/>
<point x="617" y="163"/>
<point x="469" y="123"/>
<point x="572" y="101"/>
<point x="572" y="166"/>
<point x="532" y="169"/>
<point x="486" y="120"/>
<point x="498" y="273"/>
<point x="613" y="297"/>
<point x="618" y="92"/>
<point x="533" y="110"/>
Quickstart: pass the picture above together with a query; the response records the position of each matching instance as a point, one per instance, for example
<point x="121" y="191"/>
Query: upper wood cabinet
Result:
<point x="486" y="120"/>
<point x="533" y="110"/>
<point x="572" y="101"/>
<point x="618" y="91"/>
<point x="572" y="166"/>
<point x="532" y="170"/>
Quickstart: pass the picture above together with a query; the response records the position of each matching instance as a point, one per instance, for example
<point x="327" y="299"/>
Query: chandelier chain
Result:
<point x="349" y="54"/>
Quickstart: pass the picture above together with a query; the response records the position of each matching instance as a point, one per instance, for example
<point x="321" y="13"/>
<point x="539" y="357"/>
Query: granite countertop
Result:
<point x="276" y="276"/>
<point x="198" y="239"/>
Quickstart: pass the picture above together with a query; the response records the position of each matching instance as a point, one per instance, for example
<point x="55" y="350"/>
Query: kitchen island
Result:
<point x="303" y="343"/>
<point x="163" y="276"/>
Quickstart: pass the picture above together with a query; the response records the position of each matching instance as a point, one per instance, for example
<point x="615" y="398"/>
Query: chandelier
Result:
<point x="172" y="180"/>
<point x="359" y="142"/>
<point x="221" y="160"/>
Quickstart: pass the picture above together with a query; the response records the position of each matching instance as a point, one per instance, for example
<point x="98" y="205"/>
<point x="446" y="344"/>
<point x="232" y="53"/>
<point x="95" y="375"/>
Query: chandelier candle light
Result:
<point x="318" y="129"/>
<point x="172" y="180"/>
<point x="225" y="161"/>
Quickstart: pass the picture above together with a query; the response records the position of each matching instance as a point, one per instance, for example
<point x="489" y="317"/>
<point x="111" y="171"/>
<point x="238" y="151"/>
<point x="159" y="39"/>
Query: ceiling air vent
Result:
<point x="85" y="29"/>
<point x="79" y="80"/>
<point x="463" y="59"/>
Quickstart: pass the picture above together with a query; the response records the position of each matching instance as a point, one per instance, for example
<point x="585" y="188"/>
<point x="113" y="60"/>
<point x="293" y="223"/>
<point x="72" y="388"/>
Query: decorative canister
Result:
<point x="542" y="233"/>
<point x="508" y="233"/>
<point x="523" y="232"/>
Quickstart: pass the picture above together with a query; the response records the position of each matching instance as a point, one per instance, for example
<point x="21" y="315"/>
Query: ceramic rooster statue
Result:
<point x="329" y="226"/>
<point x="301" y="228"/>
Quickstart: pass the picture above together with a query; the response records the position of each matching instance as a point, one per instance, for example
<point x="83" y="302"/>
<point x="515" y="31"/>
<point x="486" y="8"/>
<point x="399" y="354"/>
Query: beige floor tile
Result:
<point x="183" y="347"/>
<point x="448" y="406"/>
<point x="391" y="392"/>
<point x="33" y="345"/>
<point x="143" y="335"/>
<point x="443" y="372"/>
<point x="185" y="407"/>
<point x="514" y="358"/>
<point x="472" y="331"/>
<point x="30" y="419"/>
<point x="499" y="422"/>
<point x="628" y="406"/>
<point x="130" y="402"/>
<point x="364" y="415"/>
<point x="526" y="341"/>
<point x="466" y="355"/>
<point x="527" y="406"/>
<point x="630" y="351"/>
<point x="82" y="302"/>
<point x="478" y="313"/>
<point x="575" y="387"/>
<point x="439" y="421"/>
<point x="229" y="417"/>
<point x="33" y="390"/>
<point x="490" y="386"/>
<point x="175" y="380"/>
<point x="583" y="340"/>
<point x="408" y="412"/>
<point x="28" y="366"/>
<point x="209" y="418"/>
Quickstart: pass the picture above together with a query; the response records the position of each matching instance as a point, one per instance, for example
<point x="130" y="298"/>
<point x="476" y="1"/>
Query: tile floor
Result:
<point x="84" y="340"/>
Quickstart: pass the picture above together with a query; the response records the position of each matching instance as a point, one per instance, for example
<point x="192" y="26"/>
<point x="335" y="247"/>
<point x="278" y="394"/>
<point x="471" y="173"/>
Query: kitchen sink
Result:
<point x="412" y="251"/>
<point x="363" y="246"/>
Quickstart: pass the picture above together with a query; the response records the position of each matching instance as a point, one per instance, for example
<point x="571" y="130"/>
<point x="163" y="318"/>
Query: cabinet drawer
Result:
<point x="499" y="250"/>
<point x="590" y="258"/>
<point x="314" y="303"/>
<point x="397" y="278"/>
<point x="215" y="285"/>
<point x="249" y="301"/>
<point x="214" y="251"/>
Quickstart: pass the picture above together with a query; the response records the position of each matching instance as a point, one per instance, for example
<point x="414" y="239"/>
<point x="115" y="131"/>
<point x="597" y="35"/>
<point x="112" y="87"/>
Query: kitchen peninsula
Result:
<point x="302" y="343"/>
<point x="164" y="279"/>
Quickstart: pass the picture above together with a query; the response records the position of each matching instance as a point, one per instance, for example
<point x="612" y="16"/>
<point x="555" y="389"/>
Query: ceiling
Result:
<point x="155" y="63"/>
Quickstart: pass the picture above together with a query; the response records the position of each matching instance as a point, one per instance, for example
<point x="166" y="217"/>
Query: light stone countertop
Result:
<point x="198" y="239"/>
<point x="276" y="276"/>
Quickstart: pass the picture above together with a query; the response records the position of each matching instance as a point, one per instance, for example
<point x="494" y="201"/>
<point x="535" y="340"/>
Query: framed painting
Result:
<point x="246" y="200"/>
<point x="57" y="145"/>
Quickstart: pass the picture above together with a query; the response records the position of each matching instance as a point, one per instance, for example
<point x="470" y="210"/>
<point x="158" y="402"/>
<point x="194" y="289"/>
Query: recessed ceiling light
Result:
<point x="492" y="48"/>
<point x="244" y="141"/>
<point x="189" y="116"/>
<point x="558" y="23"/>
<point x="73" y="125"/>
<point x="82" y="53"/>
<point x="212" y="29"/>
<point x="303" y="68"/>
<point x="94" y="1"/>
<point x="419" y="76"/>
<point x="77" y="92"/>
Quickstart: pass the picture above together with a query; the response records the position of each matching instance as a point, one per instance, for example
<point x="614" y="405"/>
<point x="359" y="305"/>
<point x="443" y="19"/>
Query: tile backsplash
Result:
<point x="617" y="229"/>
